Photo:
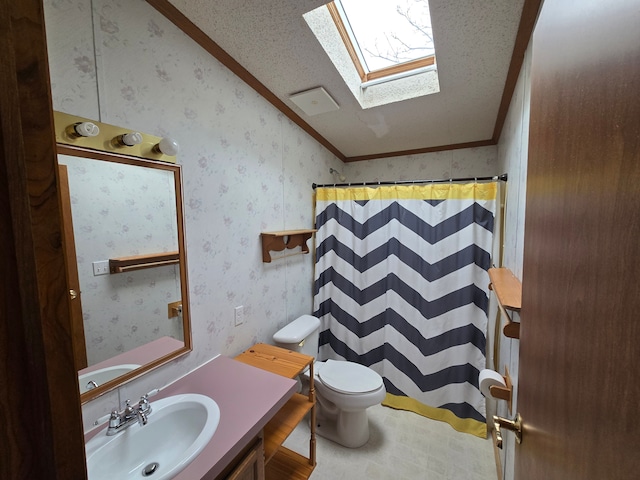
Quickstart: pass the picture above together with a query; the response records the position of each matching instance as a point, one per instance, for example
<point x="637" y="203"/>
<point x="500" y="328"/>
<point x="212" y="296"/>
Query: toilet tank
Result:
<point x="301" y="335"/>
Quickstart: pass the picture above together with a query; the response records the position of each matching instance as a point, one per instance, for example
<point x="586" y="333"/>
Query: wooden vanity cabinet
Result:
<point x="280" y="462"/>
<point x="248" y="464"/>
<point x="251" y="464"/>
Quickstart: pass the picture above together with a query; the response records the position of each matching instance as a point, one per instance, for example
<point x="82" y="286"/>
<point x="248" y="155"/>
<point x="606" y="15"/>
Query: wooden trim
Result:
<point x="342" y="30"/>
<point x="42" y="430"/>
<point x="528" y="19"/>
<point x="190" y="29"/>
<point x="401" y="67"/>
<point x="85" y="152"/>
<point x="418" y="151"/>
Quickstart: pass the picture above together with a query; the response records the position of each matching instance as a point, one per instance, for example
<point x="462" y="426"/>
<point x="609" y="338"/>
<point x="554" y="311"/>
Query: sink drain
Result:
<point x="150" y="469"/>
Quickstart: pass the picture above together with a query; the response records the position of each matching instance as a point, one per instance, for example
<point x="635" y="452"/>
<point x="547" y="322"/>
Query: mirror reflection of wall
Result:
<point x="121" y="210"/>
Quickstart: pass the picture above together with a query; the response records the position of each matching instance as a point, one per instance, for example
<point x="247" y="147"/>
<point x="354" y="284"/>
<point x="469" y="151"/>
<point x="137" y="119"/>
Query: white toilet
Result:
<point x="344" y="390"/>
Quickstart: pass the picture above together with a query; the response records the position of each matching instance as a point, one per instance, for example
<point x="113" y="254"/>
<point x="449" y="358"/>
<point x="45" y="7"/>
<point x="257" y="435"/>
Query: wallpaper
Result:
<point x="246" y="167"/>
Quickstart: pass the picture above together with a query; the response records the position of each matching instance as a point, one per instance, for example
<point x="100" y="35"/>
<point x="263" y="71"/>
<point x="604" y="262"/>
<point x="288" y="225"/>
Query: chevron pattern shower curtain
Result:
<point x="401" y="286"/>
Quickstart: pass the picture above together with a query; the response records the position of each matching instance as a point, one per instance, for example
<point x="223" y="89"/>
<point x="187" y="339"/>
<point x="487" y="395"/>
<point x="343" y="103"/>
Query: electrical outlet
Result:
<point x="100" y="268"/>
<point x="239" y="315"/>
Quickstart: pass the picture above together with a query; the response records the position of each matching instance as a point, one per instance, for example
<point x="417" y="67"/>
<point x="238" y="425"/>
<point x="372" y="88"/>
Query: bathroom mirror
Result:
<point x="126" y="264"/>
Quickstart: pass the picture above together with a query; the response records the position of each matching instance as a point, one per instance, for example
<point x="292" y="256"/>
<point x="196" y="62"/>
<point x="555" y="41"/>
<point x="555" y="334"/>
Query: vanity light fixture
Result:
<point x="83" y="129"/>
<point x="168" y="146"/>
<point x="128" y="139"/>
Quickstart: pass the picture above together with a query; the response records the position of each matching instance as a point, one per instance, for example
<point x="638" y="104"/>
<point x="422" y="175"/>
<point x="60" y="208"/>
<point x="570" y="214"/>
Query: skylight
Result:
<point x="390" y="32"/>
<point x="384" y="34"/>
<point x="389" y="42"/>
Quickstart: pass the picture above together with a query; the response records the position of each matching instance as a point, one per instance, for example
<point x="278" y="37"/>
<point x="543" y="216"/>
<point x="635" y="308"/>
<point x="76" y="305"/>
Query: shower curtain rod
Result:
<point x="502" y="177"/>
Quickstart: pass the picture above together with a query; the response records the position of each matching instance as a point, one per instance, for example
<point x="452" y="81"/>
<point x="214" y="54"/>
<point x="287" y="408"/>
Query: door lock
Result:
<point x="514" y="425"/>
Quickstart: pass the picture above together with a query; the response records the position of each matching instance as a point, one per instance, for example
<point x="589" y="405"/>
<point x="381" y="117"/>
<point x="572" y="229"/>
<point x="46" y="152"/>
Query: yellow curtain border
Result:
<point x="467" y="425"/>
<point x="432" y="191"/>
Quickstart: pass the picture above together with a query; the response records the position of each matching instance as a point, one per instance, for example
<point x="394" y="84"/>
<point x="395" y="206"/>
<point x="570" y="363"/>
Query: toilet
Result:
<point x="344" y="390"/>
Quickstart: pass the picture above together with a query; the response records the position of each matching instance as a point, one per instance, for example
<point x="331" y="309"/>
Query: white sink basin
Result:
<point x="177" y="430"/>
<point x="103" y="375"/>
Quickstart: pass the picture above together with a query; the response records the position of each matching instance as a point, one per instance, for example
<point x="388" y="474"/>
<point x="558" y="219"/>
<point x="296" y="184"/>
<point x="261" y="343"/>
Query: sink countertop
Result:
<point x="247" y="397"/>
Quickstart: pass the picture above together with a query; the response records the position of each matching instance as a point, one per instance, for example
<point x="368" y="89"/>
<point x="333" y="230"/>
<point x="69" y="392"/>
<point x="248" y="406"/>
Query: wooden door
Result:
<point x="69" y="243"/>
<point x="41" y="435"/>
<point x="579" y="385"/>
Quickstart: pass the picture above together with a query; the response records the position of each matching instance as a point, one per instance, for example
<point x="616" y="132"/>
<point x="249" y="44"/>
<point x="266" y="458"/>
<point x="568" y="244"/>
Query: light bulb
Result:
<point x="168" y="146"/>
<point x="86" y="129"/>
<point x="130" y="139"/>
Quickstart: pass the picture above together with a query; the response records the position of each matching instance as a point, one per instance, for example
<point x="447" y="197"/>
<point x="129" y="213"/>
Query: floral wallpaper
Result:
<point x="246" y="167"/>
<point x="463" y="163"/>
<point x="120" y="210"/>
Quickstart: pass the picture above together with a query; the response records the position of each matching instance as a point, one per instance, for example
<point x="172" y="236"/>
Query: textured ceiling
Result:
<point x="474" y="44"/>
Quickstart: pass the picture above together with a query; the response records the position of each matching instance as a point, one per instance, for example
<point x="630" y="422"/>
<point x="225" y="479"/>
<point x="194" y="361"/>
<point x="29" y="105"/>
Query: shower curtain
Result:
<point x="401" y="286"/>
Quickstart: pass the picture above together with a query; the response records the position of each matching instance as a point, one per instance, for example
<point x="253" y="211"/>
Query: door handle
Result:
<point x="73" y="294"/>
<point x="514" y="425"/>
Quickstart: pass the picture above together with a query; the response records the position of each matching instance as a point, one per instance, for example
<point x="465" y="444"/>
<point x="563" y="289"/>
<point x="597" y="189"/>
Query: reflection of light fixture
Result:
<point x="341" y="177"/>
<point x="83" y="129"/>
<point x="168" y="146"/>
<point x="128" y="139"/>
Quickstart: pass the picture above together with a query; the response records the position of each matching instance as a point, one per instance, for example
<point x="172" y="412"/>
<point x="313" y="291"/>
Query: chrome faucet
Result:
<point x="119" y="421"/>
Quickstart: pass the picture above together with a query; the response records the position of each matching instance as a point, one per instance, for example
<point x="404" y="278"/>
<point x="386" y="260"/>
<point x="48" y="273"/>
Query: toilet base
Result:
<point x="350" y="429"/>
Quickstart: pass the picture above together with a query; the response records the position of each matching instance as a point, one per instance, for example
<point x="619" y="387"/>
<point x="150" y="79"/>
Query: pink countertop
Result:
<point x="139" y="355"/>
<point x="248" y="398"/>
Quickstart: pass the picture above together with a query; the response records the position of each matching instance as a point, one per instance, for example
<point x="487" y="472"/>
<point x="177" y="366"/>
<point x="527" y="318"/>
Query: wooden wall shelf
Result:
<point x="508" y="291"/>
<point x="138" y="262"/>
<point x="278" y="241"/>
<point x="282" y="463"/>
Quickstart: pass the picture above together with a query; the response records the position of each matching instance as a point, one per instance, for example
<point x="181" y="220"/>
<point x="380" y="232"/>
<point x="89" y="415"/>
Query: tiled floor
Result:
<point x="402" y="446"/>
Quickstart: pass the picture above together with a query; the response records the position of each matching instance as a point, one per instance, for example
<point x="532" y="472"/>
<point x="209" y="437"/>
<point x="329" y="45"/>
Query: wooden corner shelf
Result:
<point x="138" y="262"/>
<point x="278" y="241"/>
<point x="508" y="291"/>
<point x="282" y="463"/>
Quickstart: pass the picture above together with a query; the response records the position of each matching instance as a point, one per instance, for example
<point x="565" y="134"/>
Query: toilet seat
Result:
<point x="349" y="377"/>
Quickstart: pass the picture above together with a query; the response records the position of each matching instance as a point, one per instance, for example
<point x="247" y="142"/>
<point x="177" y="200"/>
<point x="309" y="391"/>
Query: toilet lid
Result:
<point x="349" y="377"/>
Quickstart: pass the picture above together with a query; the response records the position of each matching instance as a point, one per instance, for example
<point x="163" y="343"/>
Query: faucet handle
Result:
<point x="104" y="418"/>
<point x="143" y="405"/>
<point x="151" y="393"/>
<point x="114" y="419"/>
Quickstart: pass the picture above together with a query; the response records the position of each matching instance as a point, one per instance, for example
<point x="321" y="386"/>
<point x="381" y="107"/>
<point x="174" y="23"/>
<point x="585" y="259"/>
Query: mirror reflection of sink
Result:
<point x="177" y="430"/>
<point x="91" y="380"/>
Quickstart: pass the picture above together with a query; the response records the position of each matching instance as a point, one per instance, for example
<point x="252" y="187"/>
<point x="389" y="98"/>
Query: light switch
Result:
<point x="100" y="268"/>
<point x="239" y="315"/>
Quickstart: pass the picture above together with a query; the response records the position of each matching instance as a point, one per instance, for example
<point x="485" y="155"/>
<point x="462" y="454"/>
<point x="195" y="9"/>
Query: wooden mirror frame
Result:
<point x="77" y="325"/>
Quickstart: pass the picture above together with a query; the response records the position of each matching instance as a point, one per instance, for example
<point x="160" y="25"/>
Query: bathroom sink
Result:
<point x="103" y="375"/>
<point x="177" y="430"/>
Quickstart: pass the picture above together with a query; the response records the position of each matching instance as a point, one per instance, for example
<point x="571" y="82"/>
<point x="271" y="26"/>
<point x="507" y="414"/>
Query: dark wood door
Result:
<point x="579" y="385"/>
<point x="73" y="280"/>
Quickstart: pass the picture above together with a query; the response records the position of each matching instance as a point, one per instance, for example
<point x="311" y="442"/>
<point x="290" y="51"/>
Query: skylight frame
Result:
<point x="348" y="38"/>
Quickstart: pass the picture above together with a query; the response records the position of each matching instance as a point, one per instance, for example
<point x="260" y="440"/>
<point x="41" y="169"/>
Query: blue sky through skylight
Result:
<point x="390" y="32"/>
